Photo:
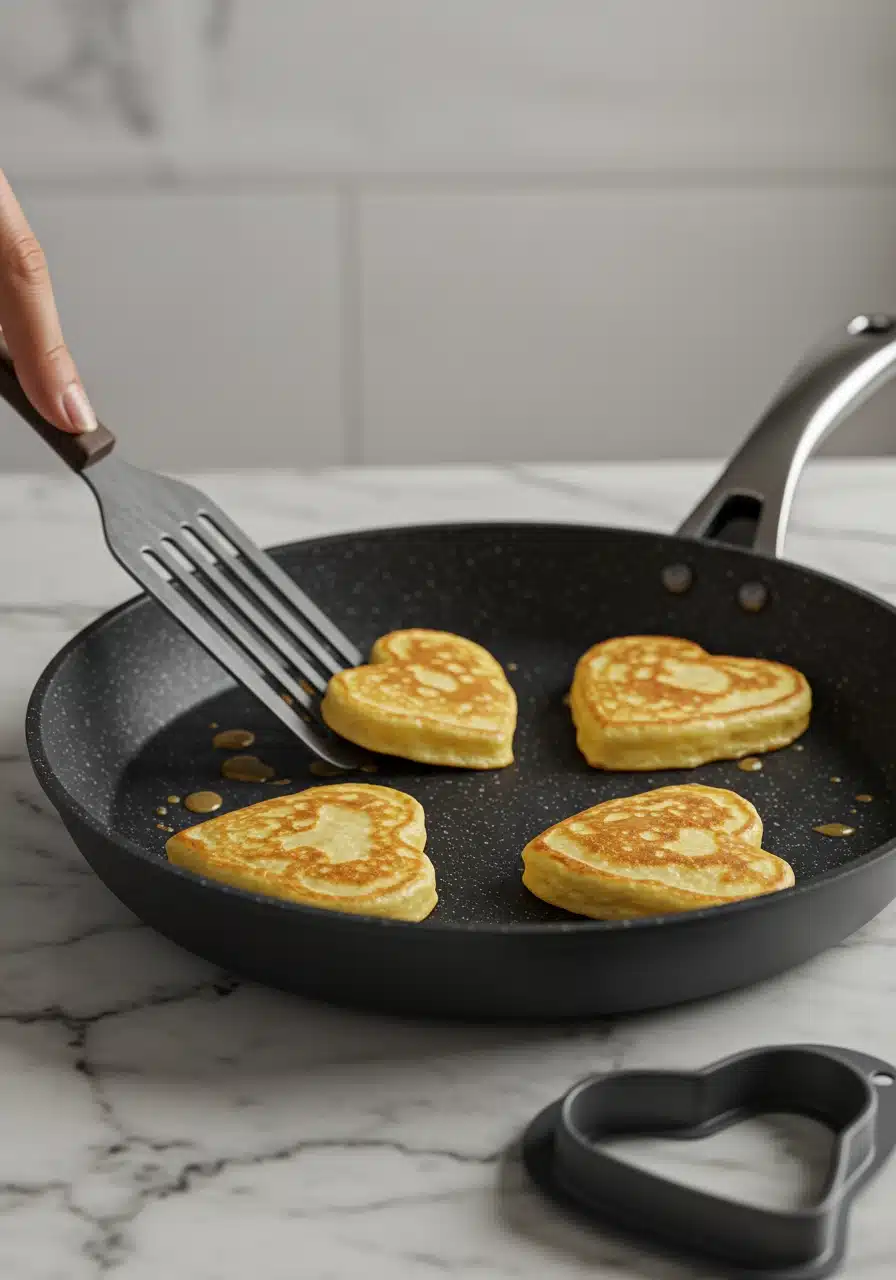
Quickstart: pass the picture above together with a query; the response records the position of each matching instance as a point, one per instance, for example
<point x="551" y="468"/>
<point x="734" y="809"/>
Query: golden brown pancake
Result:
<point x="670" y="850"/>
<point x="349" y="847"/>
<point x="655" y="702"/>
<point x="429" y="696"/>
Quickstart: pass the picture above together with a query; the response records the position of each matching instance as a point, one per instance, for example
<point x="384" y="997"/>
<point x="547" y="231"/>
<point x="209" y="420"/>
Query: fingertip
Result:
<point x="77" y="410"/>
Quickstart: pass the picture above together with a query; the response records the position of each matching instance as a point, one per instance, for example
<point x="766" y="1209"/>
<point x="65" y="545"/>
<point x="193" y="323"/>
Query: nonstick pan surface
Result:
<point x="123" y="717"/>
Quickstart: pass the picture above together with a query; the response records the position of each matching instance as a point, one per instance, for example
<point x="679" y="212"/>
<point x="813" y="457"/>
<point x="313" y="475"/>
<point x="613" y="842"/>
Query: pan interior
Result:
<point x="126" y="719"/>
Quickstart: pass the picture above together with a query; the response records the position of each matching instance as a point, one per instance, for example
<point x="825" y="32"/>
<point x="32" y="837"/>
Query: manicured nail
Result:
<point x="77" y="408"/>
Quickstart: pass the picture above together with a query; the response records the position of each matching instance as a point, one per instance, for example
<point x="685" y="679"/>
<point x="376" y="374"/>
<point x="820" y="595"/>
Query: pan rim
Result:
<point x="63" y="801"/>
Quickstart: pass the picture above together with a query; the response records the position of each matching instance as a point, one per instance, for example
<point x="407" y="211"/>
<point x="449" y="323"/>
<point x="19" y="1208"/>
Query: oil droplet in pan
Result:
<point x="203" y="801"/>
<point x="799" y="747"/>
<point x="161" y="811"/>
<point x="750" y="764"/>
<point x="323" y="769"/>
<point x="174" y="799"/>
<point x="835" y="829"/>
<point x="233" y="739"/>
<point x="247" y="769"/>
<point x="835" y="777"/>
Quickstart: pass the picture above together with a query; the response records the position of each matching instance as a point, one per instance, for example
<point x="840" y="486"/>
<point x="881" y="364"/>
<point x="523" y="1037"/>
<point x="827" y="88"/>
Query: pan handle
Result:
<point x="750" y="504"/>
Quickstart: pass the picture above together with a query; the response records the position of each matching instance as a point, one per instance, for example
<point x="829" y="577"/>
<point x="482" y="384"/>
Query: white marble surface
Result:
<point x="161" y="1119"/>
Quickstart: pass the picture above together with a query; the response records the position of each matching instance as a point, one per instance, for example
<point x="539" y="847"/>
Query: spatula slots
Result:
<point x="231" y="596"/>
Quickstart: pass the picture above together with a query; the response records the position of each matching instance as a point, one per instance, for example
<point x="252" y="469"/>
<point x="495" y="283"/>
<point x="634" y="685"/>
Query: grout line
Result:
<point x="169" y="176"/>
<point x="351" y="324"/>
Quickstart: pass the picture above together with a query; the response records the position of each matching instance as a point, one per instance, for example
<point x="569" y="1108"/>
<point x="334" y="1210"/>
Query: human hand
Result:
<point x="30" y="324"/>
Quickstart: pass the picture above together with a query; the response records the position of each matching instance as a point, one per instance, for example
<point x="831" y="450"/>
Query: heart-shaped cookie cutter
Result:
<point x="845" y="1090"/>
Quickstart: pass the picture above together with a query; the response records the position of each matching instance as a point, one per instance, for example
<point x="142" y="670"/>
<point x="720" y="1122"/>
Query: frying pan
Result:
<point x="121" y="718"/>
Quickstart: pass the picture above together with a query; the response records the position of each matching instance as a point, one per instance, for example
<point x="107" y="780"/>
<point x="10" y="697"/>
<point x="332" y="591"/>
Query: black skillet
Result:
<point x="121" y="718"/>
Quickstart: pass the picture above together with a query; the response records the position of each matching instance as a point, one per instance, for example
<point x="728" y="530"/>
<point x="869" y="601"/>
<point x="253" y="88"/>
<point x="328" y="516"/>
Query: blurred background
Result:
<point x="307" y="232"/>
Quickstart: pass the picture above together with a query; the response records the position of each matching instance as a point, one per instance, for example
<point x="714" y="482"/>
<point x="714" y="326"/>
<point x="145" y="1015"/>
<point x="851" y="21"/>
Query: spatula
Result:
<point x="225" y="591"/>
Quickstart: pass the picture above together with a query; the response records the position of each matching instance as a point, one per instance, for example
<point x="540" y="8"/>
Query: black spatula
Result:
<point x="223" y="589"/>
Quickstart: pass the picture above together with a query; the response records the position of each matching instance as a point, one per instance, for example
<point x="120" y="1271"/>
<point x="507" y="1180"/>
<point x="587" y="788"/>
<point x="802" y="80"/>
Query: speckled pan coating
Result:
<point x="121" y="718"/>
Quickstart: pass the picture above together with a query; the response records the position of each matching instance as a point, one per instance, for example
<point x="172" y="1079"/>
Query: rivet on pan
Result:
<point x="678" y="578"/>
<point x="752" y="596"/>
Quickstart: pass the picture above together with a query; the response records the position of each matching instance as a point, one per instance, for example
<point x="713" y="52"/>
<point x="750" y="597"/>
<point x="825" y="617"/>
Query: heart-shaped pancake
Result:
<point x="669" y="850"/>
<point x="349" y="847"/>
<point x="655" y="702"/>
<point x="429" y="696"/>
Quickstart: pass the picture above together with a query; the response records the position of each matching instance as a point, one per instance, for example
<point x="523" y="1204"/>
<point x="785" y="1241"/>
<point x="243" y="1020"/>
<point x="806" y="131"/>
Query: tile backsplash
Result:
<point x="451" y="230"/>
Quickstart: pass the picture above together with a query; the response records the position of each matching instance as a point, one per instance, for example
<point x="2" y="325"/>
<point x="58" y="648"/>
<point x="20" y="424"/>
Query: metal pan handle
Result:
<point x="750" y="504"/>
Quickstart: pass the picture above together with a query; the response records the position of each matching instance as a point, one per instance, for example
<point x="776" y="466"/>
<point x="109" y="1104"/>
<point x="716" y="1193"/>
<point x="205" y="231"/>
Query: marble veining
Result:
<point x="84" y="59"/>
<point x="161" y="1118"/>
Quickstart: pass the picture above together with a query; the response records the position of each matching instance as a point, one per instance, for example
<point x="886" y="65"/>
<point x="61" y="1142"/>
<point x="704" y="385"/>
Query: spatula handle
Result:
<point x="79" y="451"/>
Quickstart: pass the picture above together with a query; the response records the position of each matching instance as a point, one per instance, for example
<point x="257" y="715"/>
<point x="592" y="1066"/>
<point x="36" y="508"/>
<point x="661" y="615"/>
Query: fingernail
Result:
<point x="77" y="408"/>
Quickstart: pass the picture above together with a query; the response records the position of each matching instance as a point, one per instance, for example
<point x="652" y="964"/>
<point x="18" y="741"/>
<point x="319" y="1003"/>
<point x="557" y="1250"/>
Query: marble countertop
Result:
<point x="161" y="1119"/>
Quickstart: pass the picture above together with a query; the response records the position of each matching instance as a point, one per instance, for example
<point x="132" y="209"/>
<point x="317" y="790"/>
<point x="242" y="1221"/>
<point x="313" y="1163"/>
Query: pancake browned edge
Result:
<point x="657" y="702"/>
<point x="430" y="696"/>
<point x="350" y="847"/>
<point x="669" y="850"/>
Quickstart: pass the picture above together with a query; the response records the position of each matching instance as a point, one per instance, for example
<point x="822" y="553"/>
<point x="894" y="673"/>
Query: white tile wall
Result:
<point x="553" y="85"/>
<point x="483" y="229"/>
<point x="80" y="87"/>
<point x="206" y="325"/>
<point x="618" y="323"/>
